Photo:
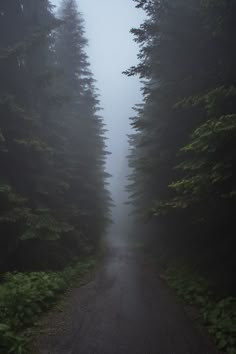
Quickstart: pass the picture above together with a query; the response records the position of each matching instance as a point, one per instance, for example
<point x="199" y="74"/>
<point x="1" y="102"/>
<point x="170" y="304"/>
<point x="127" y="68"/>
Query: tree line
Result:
<point x="54" y="200"/>
<point x="182" y="154"/>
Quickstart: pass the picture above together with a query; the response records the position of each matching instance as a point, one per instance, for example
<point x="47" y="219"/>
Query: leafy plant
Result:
<point x="25" y="296"/>
<point x="218" y="316"/>
<point x="10" y="342"/>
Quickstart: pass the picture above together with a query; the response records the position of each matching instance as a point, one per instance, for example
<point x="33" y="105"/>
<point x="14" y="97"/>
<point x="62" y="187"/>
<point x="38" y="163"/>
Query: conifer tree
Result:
<point x="85" y="147"/>
<point x="53" y="198"/>
<point x="182" y="148"/>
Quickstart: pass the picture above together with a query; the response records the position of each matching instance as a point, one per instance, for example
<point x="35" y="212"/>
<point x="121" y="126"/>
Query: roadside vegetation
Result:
<point x="25" y="297"/>
<point x="218" y="315"/>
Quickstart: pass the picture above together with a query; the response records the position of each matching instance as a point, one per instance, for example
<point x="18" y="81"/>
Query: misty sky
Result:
<point x="112" y="50"/>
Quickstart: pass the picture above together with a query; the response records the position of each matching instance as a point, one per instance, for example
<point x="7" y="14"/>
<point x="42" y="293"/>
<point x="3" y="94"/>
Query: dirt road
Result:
<point x="125" y="309"/>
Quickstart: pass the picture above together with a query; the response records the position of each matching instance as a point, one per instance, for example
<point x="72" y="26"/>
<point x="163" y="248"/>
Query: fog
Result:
<point x="160" y="278"/>
<point x="112" y="50"/>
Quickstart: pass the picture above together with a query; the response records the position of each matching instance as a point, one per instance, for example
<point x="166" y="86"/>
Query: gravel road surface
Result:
<point x="125" y="309"/>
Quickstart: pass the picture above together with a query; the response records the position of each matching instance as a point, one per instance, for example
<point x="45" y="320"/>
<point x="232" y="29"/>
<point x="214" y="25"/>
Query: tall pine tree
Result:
<point x="182" y="149"/>
<point x="53" y="196"/>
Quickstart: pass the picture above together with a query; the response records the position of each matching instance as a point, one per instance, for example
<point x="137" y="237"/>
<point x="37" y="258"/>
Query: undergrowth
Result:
<point x="219" y="316"/>
<point x="25" y="296"/>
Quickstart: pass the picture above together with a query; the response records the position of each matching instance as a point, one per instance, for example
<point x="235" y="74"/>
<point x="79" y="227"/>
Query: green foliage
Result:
<point x="43" y="226"/>
<point x="190" y="287"/>
<point x="11" y="197"/>
<point x="209" y="159"/>
<point x="28" y="42"/>
<point x="10" y="342"/>
<point x="25" y="296"/>
<point x="218" y="316"/>
<point x="182" y="155"/>
<point x="34" y="145"/>
<point x="52" y="149"/>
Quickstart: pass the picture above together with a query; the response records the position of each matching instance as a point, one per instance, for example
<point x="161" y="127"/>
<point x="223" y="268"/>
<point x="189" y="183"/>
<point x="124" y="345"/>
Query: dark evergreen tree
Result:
<point x="24" y="148"/>
<point x="182" y="151"/>
<point x="52" y="185"/>
<point x="84" y="157"/>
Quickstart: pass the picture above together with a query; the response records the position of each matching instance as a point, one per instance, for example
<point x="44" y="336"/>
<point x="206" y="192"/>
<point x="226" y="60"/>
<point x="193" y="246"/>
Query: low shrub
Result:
<point x="219" y="316"/>
<point x="10" y="342"/>
<point x="25" y="296"/>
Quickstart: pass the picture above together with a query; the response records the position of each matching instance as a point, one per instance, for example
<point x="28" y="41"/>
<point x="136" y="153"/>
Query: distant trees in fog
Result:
<point x="53" y="197"/>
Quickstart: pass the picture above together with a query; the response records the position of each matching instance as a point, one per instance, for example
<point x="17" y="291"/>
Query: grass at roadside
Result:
<point x="24" y="297"/>
<point x="218" y="315"/>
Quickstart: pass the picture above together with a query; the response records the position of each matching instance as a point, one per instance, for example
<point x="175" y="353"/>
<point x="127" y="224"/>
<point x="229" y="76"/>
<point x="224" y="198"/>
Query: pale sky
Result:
<point x="112" y="50"/>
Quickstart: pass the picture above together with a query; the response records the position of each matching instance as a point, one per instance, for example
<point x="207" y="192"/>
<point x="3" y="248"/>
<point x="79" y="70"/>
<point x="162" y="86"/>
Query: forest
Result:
<point x="183" y="147"/>
<point x="53" y="181"/>
<point x="182" y="156"/>
<point x="56" y="193"/>
<point x="54" y="199"/>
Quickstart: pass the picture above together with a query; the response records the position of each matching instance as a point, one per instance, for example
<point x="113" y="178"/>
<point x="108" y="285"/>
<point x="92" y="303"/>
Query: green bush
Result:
<point x="25" y="296"/>
<point x="218" y="316"/>
<point x="10" y="342"/>
<point x="220" y="319"/>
